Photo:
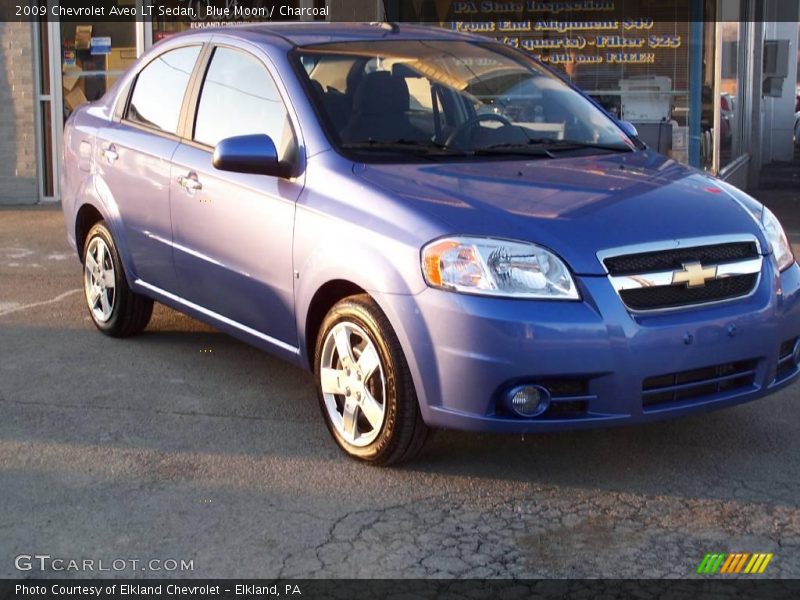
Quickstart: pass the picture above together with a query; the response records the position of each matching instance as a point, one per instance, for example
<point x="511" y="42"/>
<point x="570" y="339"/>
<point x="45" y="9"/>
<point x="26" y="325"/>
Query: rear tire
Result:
<point x="114" y="308"/>
<point x="364" y="385"/>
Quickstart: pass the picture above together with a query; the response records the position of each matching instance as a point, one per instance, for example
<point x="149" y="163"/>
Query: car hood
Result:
<point x="574" y="206"/>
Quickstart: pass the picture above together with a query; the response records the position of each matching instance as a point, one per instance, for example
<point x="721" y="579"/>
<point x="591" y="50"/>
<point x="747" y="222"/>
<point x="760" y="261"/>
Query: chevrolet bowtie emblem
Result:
<point x="694" y="275"/>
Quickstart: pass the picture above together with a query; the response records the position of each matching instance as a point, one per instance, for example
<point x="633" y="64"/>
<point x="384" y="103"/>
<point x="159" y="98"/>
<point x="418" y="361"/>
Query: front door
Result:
<point x="133" y="159"/>
<point x="233" y="231"/>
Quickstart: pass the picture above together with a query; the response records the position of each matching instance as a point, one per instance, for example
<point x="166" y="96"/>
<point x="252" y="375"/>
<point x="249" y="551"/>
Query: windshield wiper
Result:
<point x="416" y="146"/>
<point x="431" y="149"/>
<point x="550" y="145"/>
<point x="512" y="150"/>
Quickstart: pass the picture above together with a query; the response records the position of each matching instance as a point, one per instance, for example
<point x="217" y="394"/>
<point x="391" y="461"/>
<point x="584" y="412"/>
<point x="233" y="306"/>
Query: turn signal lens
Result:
<point x="431" y="266"/>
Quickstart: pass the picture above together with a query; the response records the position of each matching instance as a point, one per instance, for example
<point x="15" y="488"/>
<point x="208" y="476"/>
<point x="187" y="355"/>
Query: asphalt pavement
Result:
<point x="185" y="444"/>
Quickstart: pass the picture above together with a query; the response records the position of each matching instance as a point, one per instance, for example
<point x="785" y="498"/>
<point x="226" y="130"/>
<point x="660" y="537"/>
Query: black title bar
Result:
<point x="407" y="589"/>
<point x="427" y="11"/>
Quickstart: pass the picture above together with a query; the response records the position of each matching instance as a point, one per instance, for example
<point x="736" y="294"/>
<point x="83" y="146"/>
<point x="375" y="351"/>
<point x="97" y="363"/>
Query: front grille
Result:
<point x="787" y="348"/>
<point x="672" y="296"/>
<point x="671" y="260"/>
<point x="564" y="388"/>
<point x="569" y="398"/>
<point x="567" y="410"/>
<point x="786" y="365"/>
<point x="698" y="384"/>
<point x="645" y="279"/>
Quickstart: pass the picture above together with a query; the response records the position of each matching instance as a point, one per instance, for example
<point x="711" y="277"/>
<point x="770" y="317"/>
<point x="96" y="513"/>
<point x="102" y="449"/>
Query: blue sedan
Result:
<point x="445" y="232"/>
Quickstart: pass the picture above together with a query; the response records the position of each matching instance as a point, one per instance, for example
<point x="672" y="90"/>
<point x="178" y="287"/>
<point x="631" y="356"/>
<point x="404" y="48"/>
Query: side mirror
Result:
<point x="248" y="154"/>
<point x="629" y="128"/>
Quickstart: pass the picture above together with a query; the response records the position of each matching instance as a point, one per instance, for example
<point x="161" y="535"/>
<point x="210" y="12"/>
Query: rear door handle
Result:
<point x="110" y="153"/>
<point x="189" y="182"/>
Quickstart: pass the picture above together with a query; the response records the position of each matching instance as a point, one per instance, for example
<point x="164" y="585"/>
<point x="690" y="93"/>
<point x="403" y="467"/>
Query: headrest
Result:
<point x="380" y="93"/>
<point x="317" y="87"/>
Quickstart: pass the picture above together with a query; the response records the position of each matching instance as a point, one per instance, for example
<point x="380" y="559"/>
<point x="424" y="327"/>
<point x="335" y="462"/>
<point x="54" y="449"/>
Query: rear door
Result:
<point x="134" y="161"/>
<point x="233" y="231"/>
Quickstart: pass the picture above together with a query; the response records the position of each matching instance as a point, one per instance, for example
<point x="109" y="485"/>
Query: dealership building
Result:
<point x="711" y="83"/>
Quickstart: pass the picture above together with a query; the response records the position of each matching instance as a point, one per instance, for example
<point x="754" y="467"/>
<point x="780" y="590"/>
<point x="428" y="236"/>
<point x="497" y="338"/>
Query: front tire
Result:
<point x="364" y="385"/>
<point x="114" y="308"/>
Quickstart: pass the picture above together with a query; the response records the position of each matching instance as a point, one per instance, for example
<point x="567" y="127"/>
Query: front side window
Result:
<point x="160" y="87"/>
<point x="239" y="97"/>
<point x="450" y="97"/>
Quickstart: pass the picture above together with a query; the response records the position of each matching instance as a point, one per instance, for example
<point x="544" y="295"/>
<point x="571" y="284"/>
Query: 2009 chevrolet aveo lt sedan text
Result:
<point x="444" y="231"/>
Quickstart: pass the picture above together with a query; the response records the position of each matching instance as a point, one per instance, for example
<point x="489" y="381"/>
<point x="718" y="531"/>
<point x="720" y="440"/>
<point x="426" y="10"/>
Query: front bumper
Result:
<point x="465" y="351"/>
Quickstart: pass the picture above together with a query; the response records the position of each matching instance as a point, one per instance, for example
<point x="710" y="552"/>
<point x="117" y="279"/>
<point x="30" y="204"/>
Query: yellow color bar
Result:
<point x="752" y="562"/>
<point x="765" y="563"/>
<point x="755" y="563"/>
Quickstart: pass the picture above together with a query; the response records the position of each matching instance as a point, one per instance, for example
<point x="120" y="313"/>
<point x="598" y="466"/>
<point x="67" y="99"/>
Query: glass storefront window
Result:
<point x="164" y="27"/>
<point x="707" y="94"/>
<point x="48" y="173"/>
<point x="47" y="187"/>
<point x="729" y="129"/>
<point x="653" y="63"/>
<point x="733" y="48"/>
<point x="44" y="58"/>
<point x="93" y="56"/>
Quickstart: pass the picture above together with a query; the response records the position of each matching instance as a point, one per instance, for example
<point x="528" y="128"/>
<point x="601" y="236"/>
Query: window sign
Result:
<point x="83" y="37"/>
<point x="100" y="45"/>
<point x="634" y="57"/>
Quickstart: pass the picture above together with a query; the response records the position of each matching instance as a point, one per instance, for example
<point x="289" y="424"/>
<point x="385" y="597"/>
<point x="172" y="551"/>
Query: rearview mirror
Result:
<point x="248" y="154"/>
<point x="629" y="128"/>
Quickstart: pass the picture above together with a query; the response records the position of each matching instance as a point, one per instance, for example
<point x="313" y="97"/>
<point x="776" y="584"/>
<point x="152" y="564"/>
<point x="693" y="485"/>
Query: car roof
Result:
<point x="322" y="32"/>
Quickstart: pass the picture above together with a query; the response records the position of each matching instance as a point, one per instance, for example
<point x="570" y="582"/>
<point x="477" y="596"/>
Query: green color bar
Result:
<point x="718" y="563"/>
<point x="703" y="564"/>
<point x="711" y="563"/>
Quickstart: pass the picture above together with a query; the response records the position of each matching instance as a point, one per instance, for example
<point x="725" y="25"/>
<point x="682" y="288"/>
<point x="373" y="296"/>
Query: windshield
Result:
<point x="450" y="98"/>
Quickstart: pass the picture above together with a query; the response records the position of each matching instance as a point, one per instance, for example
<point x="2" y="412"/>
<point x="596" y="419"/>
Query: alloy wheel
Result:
<point x="353" y="384"/>
<point x="99" y="279"/>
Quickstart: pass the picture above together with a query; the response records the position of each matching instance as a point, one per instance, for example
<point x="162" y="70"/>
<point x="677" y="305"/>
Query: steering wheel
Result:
<point x="472" y="123"/>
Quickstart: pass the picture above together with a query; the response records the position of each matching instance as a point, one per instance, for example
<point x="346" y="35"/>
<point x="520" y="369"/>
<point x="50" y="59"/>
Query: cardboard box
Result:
<point x="74" y="98"/>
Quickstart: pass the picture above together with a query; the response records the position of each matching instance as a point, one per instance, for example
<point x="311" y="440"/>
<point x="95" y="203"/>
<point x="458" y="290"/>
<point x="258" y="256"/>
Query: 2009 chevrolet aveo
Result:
<point x="444" y="231"/>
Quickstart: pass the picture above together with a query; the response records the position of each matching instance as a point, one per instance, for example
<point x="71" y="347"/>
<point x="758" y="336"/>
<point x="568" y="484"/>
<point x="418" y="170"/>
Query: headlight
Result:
<point x="777" y="239"/>
<point x="496" y="268"/>
<point x="772" y="228"/>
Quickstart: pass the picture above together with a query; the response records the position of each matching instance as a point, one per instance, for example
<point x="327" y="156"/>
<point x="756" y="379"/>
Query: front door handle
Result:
<point x="110" y="153"/>
<point x="189" y="182"/>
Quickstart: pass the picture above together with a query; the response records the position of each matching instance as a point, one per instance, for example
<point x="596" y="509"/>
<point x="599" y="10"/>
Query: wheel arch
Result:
<point x="96" y="200"/>
<point x="86" y="218"/>
<point x="321" y="303"/>
<point x="326" y="273"/>
<point x="321" y="298"/>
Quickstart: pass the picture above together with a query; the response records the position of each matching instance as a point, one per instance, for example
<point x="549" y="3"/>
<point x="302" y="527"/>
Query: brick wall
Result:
<point x="18" y="183"/>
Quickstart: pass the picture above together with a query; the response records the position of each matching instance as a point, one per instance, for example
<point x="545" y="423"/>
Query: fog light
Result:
<point x="529" y="400"/>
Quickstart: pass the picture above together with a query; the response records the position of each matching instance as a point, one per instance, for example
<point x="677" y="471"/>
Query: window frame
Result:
<point x="130" y="88"/>
<point x="193" y="101"/>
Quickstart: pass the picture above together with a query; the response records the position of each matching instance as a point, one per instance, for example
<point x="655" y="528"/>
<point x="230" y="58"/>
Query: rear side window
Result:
<point x="160" y="87"/>
<point x="239" y="97"/>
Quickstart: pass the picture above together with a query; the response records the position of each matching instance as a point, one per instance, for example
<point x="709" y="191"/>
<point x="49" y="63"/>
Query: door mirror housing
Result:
<point x="630" y="129"/>
<point x="254" y="154"/>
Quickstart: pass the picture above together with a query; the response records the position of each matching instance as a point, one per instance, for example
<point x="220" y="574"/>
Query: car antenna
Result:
<point x="387" y="25"/>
